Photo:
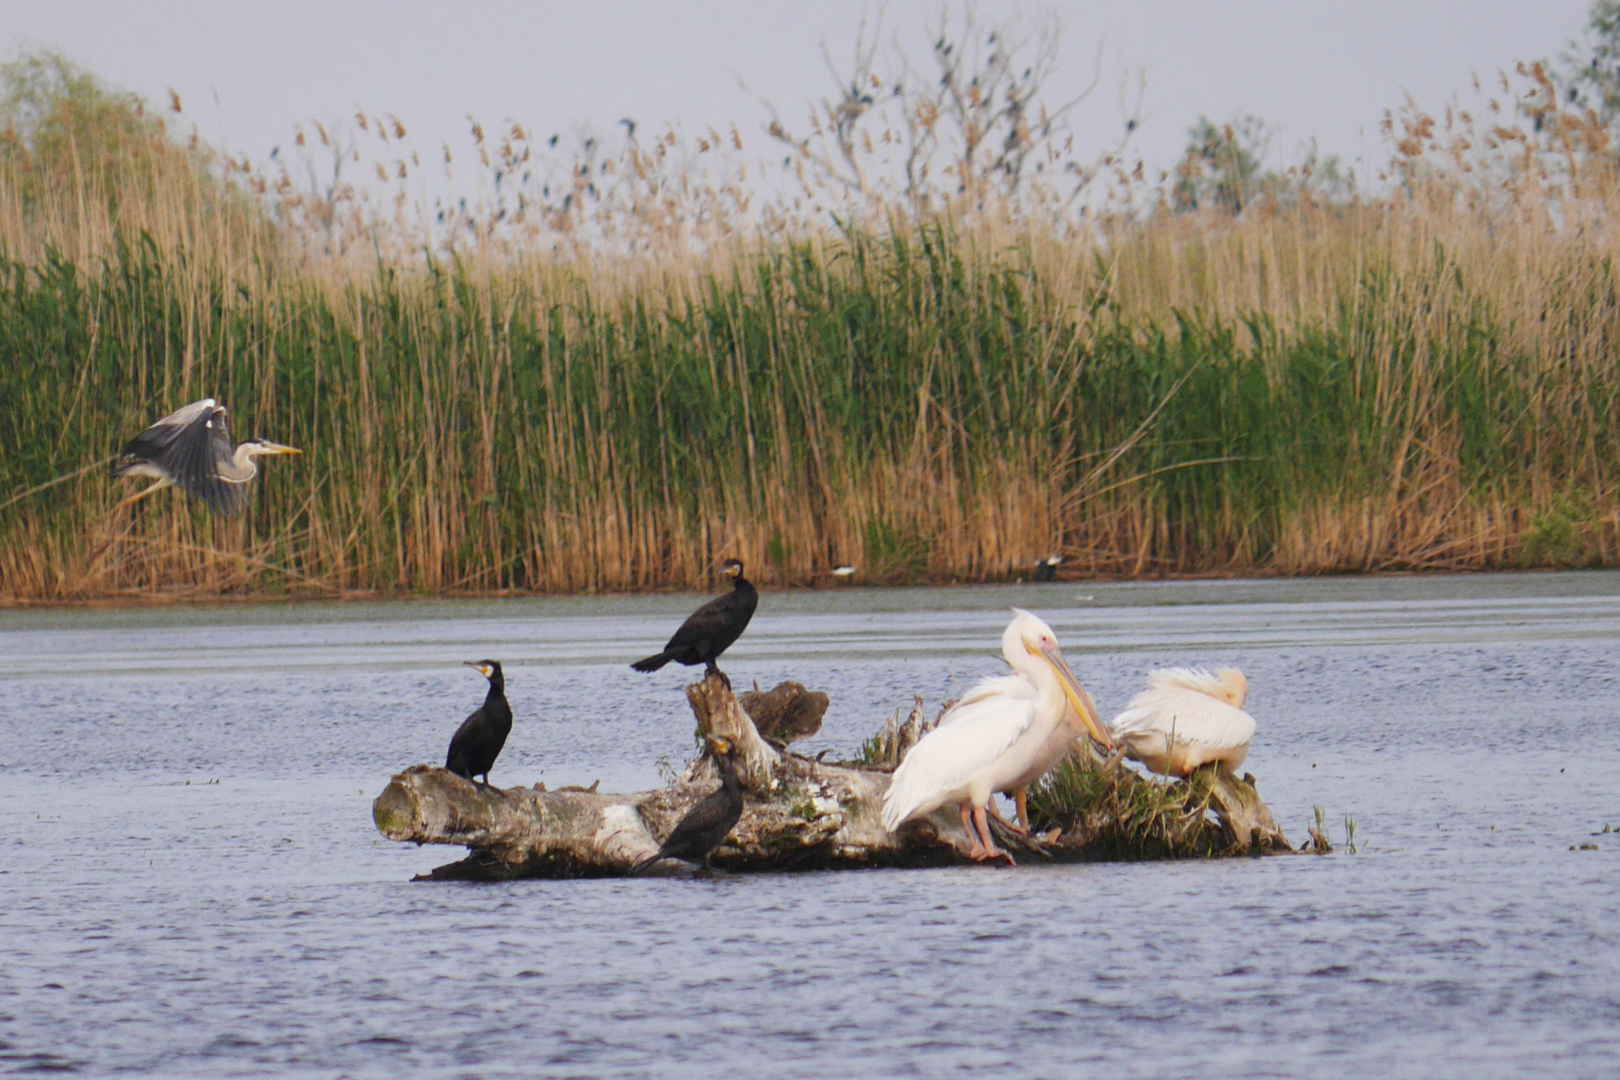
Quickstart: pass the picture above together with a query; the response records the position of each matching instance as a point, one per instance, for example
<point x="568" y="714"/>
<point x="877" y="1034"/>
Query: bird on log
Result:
<point x="700" y="831"/>
<point x="710" y="630"/>
<point x="995" y="737"/>
<point x="1186" y="718"/>
<point x="191" y="449"/>
<point x="1076" y="724"/>
<point x="478" y="741"/>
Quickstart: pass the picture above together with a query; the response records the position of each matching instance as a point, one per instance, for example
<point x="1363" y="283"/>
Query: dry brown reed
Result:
<point x="615" y="386"/>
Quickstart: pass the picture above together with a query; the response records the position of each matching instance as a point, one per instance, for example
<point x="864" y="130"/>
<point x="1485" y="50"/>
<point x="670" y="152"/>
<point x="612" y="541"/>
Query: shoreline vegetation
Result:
<point x="608" y="377"/>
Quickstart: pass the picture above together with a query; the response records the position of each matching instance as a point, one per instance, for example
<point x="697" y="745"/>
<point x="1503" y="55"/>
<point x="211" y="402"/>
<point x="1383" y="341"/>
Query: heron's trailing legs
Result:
<point x="143" y="493"/>
<point x="102" y="548"/>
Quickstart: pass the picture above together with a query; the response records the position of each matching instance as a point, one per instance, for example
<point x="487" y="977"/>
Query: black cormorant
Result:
<point x="697" y="834"/>
<point x="191" y="449"/>
<point x="478" y="741"/>
<point x="1046" y="569"/>
<point x="710" y="630"/>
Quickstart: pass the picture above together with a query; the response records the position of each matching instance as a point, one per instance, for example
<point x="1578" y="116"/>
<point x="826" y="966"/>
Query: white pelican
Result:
<point x="1186" y="718"/>
<point x="992" y="739"/>
<point x="1056" y="747"/>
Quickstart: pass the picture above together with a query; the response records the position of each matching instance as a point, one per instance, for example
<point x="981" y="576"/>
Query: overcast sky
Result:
<point x="1322" y="69"/>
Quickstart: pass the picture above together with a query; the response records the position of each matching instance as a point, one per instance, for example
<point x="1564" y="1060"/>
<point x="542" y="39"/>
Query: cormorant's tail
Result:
<point x="457" y="767"/>
<point x="644" y="863"/>
<point x="652" y="663"/>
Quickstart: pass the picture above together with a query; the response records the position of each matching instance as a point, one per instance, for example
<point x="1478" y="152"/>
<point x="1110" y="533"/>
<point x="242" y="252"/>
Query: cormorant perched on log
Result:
<point x="696" y="835"/>
<point x="478" y="741"/>
<point x="710" y="630"/>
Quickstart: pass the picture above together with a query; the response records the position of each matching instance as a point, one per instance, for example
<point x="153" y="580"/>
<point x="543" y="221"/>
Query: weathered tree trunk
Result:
<point x="800" y="813"/>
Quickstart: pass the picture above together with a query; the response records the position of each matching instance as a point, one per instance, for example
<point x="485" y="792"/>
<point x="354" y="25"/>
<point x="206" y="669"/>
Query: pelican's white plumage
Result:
<point x="1055" y="749"/>
<point x="966" y="758"/>
<point x="1186" y="718"/>
<point x="991" y="740"/>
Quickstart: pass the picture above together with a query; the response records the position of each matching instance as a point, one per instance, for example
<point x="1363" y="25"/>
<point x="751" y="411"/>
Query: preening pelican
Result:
<point x="1186" y="718"/>
<point x="191" y="449"/>
<point x="994" y="737"/>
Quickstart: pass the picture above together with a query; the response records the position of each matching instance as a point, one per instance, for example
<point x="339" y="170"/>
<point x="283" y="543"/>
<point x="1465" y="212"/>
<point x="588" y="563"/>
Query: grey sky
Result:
<point x="1315" y="68"/>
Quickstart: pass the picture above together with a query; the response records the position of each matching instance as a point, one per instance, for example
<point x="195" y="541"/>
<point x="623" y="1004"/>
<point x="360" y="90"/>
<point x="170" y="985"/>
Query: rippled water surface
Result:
<point x="190" y="883"/>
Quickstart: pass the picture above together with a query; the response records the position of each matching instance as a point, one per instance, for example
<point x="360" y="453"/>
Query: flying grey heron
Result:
<point x="191" y="449"/>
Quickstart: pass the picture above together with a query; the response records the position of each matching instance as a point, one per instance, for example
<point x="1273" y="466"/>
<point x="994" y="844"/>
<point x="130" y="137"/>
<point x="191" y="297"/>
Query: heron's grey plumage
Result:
<point x="191" y="449"/>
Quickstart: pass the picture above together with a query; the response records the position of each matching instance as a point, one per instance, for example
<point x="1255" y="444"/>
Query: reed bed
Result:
<point x="1421" y="382"/>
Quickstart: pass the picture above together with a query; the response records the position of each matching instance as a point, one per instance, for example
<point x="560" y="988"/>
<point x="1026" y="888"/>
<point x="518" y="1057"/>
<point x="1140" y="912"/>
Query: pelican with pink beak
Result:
<point x="994" y="738"/>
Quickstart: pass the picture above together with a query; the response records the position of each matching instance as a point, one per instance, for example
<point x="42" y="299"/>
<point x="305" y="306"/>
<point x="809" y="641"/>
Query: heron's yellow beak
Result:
<point x="1077" y="697"/>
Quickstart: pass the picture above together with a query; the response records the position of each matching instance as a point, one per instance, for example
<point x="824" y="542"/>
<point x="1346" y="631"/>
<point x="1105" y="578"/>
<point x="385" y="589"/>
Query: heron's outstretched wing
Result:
<point x="151" y="444"/>
<point x="189" y="446"/>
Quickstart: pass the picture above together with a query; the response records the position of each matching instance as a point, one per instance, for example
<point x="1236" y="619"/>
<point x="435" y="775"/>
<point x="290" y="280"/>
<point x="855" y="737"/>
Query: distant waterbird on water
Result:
<point x="1187" y="717"/>
<point x="1046" y="569"/>
<point x="191" y="449"/>
<point x="481" y="737"/>
<point x="711" y="629"/>
<point x="996" y="737"/>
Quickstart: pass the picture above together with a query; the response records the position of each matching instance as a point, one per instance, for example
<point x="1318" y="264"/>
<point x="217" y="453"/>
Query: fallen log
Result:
<point x="803" y="813"/>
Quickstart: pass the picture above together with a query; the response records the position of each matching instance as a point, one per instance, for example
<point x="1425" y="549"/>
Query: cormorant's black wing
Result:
<point x="716" y="616"/>
<point x="464" y="735"/>
<point x="710" y="813"/>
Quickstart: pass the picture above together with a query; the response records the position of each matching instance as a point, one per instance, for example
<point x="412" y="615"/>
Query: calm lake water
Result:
<point x="191" y="885"/>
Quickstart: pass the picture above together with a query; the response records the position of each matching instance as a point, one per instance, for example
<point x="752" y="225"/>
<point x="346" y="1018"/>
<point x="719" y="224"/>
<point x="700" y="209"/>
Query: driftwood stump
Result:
<point x="786" y="714"/>
<point x="801" y="813"/>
